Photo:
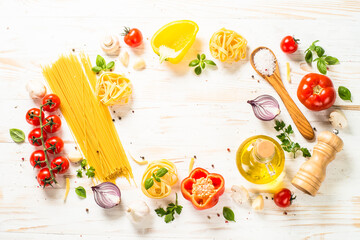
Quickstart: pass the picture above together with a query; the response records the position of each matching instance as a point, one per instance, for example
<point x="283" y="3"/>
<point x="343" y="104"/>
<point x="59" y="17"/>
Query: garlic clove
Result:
<point x="239" y="194"/>
<point x="36" y="89"/>
<point x="258" y="203"/>
<point x="137" y="211"/>
<point x="139" y="64"/>
<point x="124" y="58"/>
<point x="75" y="156"/>
<point x="337" y="119"/>
<point x="111" y="45"/>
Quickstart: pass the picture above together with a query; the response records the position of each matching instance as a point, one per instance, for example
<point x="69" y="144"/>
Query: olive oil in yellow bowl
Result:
<point x="260" y="159"/>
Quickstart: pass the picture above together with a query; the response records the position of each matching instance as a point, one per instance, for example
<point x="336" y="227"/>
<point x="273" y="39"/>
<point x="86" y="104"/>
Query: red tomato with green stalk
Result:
<point x="33" y="116"/>
<point x="289" y="44"/>
<point x="60" y="164"/>
<point x="54" y="145"/>
<point x="51" y="103"/>
<point x="37" y="159"/>
<point x="284" y="198"/>
<point x="52" y="124"/>
<point x="132" y="37"/>
<point x="34" y="137"/>
<point x="316" y="92"/>
<point x="44" y="177"/>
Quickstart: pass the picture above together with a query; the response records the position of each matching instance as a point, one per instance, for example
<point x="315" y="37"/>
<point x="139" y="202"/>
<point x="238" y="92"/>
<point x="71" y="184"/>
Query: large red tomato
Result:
<point x="316" y="92"/>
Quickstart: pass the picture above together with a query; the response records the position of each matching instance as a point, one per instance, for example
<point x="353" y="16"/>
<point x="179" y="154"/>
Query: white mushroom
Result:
<point x="139" y="64"/>
<point x="338" y="119"/>
<point x="239" y="194"/>
<point x="75" y="156"/>
<point x="111" y="45"/>
<point x="36" y="89"/>
<point x="124" y="58"/>
<point x="258" y="203"/>
<point x="137" y="211"/>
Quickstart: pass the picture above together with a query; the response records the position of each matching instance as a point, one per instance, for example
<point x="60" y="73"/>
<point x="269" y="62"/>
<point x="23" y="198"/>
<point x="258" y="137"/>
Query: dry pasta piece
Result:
<point x="228" y="46"/>
<point x="191" y="165"/>
<point x="67" y="188"/>
<point x="113" y="88"/>
<point x="163" y="188"/>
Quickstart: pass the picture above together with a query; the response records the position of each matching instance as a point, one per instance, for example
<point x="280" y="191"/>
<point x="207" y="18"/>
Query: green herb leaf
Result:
<point x="96" y="69"/>
<point x="17" y="135"/>
<point x="90" y="173"/>
<point x="198" y="56"/>
<point x="198" y="70"/>
<point x="160" y="212"/>
<point x="344" y="93"/>
<point x="169" y="217"/>
<point x="309" y="56"/>
<point x="194" y="63"/>
<point x="80" y="191"/>
<point x="279" y="125"/>
<point x="228" y="214"/>
<point x="161" y="172"/>
<point x="305" y="152"/>
<point x="156" y="178"/>
<point x="110" y="65"/>
<point x="321" y="65"/>
<point x="83" y="163"/>
<point x="178" y="209"/>
<point x="203" y="56"/>
<point x="100" y="62"/>
<point x="312" y="46"/>
<point x="202" y="64"/>
<point x="170" y="211"/>
<point x="210" y="62"/>
<point x="149" y="183"/>
<point x="79" y="173"/>
<point x="319" y="51"/>
<point x="331" y="60"/>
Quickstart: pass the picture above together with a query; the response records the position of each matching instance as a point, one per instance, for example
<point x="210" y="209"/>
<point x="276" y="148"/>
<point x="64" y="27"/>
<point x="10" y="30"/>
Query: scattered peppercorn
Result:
<point x="218" y="214"/>
<point x="208" y="217"/>
<point x="285" y="213"/>
<point x="87" y="210"/>
<point x="132" y="111"/>
<point x="266" y="197"/>
<point x="142" y="157"/>
<point x="252" y="76"/>
<point x="73" y="49"/>
<point x="113" y="120"/>
<point x="315" y="129"/>
<point x="212" y="165"/>
<point x="119" y="118"/>
<point x="195" y="156"/>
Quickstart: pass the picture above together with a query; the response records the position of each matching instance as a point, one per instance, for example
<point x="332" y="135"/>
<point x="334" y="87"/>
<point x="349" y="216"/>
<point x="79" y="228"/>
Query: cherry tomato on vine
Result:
<point x="54" y="124"/>
<point x="52" y="102"/>
<point x="289" y="44"/>
<point x="63" y="162"/>
<point x="37" y="159"/>
<point x="54" y="145"/>
<point x="283" y="198"/>
<point x="132" y="37"/>
<point x="33" y="116"/>
<point x="34" y="136"/>
<point x="44" y="177"/>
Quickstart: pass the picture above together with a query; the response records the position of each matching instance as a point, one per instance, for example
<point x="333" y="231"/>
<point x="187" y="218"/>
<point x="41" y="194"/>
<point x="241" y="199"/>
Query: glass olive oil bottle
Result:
<point x="260" y="159"/>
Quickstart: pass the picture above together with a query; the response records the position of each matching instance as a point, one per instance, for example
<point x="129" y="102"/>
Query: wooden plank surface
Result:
<point x="176" y="114"/>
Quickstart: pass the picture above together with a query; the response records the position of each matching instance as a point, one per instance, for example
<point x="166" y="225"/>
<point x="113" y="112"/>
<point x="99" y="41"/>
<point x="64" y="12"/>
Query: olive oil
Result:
<point x="260" y="159"/>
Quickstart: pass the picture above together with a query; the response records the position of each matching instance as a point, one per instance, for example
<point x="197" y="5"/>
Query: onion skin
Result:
<point x="107" y="195"/>
<point x="265" y="107"/>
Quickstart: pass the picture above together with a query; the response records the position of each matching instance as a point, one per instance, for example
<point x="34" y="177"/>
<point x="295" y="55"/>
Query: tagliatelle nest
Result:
<point x="228" y="46"/>
<point x="113" y="88"/>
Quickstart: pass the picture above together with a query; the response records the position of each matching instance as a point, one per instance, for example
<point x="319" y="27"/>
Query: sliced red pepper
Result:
<point x="202" y="188"/>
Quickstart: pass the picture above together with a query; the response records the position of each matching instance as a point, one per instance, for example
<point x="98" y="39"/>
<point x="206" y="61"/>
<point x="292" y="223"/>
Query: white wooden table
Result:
<point x="176" y="114"/>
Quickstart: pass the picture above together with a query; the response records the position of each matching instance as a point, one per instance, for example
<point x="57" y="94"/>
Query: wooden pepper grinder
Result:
<point x="312" y="173"/>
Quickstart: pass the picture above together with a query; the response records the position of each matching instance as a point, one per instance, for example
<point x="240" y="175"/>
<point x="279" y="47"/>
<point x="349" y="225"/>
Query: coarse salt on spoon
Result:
<point x="274" y="79"/>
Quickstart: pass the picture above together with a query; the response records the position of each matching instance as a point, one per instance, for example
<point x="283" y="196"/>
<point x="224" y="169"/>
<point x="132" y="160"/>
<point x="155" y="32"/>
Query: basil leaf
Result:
<point x="156" y="178"/>
<point x="161" y="172"/>
<point x="100" y="61"/>
<point x="194" y="63"/>
<point x="312" y="46"/>
<point x="344" y="93"/>
<point x="228" y="214"/>
<point x="321" y="65"/>
<point x="80" y="191"/>
<point x="319" y="51"/>
<point x="210" y="62"/>
<point x="149" y="183"/>
<point x="198" y="56"/>
<point x="202" y="64"/>
<point x="309" y="56"/>
<point x="203" y="56"/>
<point x="96" y="69"/>
<point x="198" y="70"/>
<point x="17" y="135"/>
<point x="110" y="65"/>
<point x="331" y="60"/>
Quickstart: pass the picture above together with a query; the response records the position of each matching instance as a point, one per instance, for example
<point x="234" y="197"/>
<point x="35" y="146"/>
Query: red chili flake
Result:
<point x="228" y="149"/>
<point x="23" y="159"/>
<point x="226" y="221"/>
<point x="75" y="147"/>
<point x="218" y="214"/>
<point x="195" y="156"/>
<point x="132" y="111"/>
<point x="285" y="213"/>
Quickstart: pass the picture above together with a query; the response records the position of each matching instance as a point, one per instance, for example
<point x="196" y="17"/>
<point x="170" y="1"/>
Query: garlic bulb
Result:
<point x="239" y="194"/>
<point x="75" y="156"/>
<point x="137" y="211"/>
<point x="111" y="45"/>
<point x="36" y="89"/>
<point x="258" y="203"/>
<point x="338" y="119"/>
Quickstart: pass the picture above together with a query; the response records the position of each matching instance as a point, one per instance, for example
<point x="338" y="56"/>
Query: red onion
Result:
<point x="106" y="195"/>
<point x="265" y="107"/>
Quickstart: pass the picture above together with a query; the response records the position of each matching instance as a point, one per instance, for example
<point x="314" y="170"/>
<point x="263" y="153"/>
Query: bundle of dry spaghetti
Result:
<point x="227" y="46"/>
<point x="71" y="78"/>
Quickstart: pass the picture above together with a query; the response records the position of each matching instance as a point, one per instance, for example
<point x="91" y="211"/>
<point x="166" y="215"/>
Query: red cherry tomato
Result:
<point x="54" y="145"/>
<point x="132" y="37"/>
<point x="289" y="44"/>
<point x="54" y="124"/>
<point x="34" y="135"/>
<point x="52" y="102"/>
<point x="316" y="92"/>
<point x="37" y="159"/>
<point x="60" y="162"/>
<point x="44" y="177"/>
<point x="33" y="116"/>
<point x="283" y="198"/>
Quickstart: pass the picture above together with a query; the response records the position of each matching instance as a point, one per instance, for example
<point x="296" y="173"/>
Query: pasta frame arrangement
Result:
<point x="113" y="88"/>
<point x="228" y="46"/>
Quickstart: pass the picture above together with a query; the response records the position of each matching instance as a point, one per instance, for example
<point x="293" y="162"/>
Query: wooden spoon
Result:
<point x="299" y="119"/>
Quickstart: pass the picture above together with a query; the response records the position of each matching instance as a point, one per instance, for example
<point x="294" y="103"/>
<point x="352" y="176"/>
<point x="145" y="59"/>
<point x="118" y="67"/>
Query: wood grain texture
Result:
<point x="176" y="114"/>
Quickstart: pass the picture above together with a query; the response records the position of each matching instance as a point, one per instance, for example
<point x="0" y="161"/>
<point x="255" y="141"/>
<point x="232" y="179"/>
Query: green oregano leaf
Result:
<point x="210" y="62"/>
<point x="344" y="93"/>
<point x="228" y="214"/>
<point x="17" y="135"/>
<point x="198" y="70"/>
<point x="194" y="63"/>
<point x="80" y="191"/>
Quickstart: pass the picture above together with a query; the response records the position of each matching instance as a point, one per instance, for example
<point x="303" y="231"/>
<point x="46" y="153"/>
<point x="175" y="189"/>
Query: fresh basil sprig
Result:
<point x="228" y="214"/>
<point x="344" y="93"/>
<point x="200" y="63"/>
<point x="80" y="191"/>
<point x="17" y="135"/>
<point x="101" y="65"/>
<point x="322" y="59"/>
<point x="150" y="181"/>
<point x="89" y="172"/>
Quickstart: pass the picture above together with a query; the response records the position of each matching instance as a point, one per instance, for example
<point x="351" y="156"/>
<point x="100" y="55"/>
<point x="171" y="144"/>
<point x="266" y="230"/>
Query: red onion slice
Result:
<point x="106" y="195"/>
<point x="265" y="107"/>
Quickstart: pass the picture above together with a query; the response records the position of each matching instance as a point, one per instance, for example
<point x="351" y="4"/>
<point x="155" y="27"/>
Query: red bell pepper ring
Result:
<point x="202" y="188"/>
